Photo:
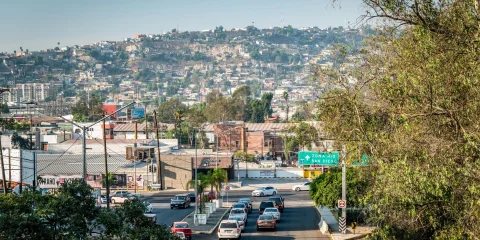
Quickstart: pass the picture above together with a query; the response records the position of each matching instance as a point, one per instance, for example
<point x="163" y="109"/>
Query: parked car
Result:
<point x="180" y="201"/>
<point x="280" y="201"/>
<point x="249" y="206"/>
<point x="229" y="229"/>
<point x="148" y="207"/>
<point x="266" y="221"/>
<point x="120" y="192"/>
<point x="210" y="195"/>
<point x="182" y="227"/>
<point x="121" y="197"/>
<point x="265" y="204"/>
<point x="240" y="221"/>
<point x="152" y="217"/>
<point x="243" y="206"/>
<point x="239" y="212"/>
<point x="302" y="187"/>
<point x="264" y="191"/>
<point x="274" y="212"/>
<point x="103" y="198"/>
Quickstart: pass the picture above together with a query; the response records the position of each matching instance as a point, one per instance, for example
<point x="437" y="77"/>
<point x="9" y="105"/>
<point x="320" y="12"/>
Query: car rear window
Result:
<point x="277" y="200"/>
<point x="270" y="210"/>
<point x="244" y="202"/>
<point x="238" y="205"/>
<point x="228" y="225"/>
<point x="178" y="198"/>
<point x="265" y="217"/>
<point x="266" y="204"/>
<point x="237" y="211"/>
<point x="181" y="225"/>
<point x="235" y="218"/>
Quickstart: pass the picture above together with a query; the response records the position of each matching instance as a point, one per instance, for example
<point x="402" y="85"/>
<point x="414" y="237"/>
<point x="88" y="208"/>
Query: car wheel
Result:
<point x="297" y="189"/>
<point x="274" y="193"/>
<point x="258" y="228"/>
<point x="261" y="194"/>
<point x="171" y="207"/>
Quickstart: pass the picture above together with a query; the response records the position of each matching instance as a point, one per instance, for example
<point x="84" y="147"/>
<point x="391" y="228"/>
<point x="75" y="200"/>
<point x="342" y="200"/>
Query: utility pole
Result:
<point x="196" y="182"/>
<point x="159" y="160"/>
<point x="216" y="150"/>
<point x="84" y="154"/>
<point x="135" y="156"/>
<point x="9" y="169"/>
<point x="344" y="192"/>
<point x="107" y="184"/>
<point x="4" y="182"/>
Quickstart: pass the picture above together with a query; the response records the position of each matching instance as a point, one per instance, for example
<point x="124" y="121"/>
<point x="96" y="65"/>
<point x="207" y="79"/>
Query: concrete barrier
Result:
<point x="270" y="173"/>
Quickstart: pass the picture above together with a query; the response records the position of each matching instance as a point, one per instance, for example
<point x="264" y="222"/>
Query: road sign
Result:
<point x="342" y="203"/>
<point x="363" y="161"/>
<point x="354" y="225"/>
<point x="318" y="158"/>
<point x="227" y="188"/>
<point x="342" y="224"/>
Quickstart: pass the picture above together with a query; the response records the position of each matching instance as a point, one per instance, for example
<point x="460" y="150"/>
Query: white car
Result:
<point x="239" y="219"/>
<point x="239" y="212"/>
<point x="302" y="187"/>
<point x="273" y="212"/>
<point x="264" y="191"/>
<point x="229" y="229"/>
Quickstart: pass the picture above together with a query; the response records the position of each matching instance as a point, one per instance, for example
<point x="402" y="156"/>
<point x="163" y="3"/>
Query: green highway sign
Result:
<point x="363" y="162"/>
<point x="318" y="158"/>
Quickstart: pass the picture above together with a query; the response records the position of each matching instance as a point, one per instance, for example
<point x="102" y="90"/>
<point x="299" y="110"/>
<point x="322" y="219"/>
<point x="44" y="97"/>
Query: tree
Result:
<point x="38" y="60"/>
<point x="411" y="113"/>
<point x="305" y="135"/>
<point x="84" y="110"/>
<point x="218" y="177"/>
<point x="21" y="142"/>
<point x="111" y="178"/>
<point x="168" y="109"/>
<point x="202" y="183"/>
<point x="285" y="97"/>
<point x="4" y="108"/>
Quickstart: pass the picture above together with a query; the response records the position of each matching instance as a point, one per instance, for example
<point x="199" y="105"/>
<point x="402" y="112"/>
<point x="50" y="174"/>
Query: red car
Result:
<point x="182" y="227"/>
<point x="211" y="195"/>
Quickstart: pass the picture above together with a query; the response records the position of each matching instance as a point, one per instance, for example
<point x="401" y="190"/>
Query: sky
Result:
<point x="40" y="24"/>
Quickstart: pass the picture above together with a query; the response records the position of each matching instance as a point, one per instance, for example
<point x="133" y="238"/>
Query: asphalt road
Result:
<point x="299" y="220"/>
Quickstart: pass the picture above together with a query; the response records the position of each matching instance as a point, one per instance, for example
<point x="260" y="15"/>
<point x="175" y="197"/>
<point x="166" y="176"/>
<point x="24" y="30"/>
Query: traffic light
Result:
<point x="152" y="168"/>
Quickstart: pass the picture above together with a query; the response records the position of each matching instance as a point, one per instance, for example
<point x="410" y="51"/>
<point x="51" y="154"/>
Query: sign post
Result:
<point x="227" y="188"/>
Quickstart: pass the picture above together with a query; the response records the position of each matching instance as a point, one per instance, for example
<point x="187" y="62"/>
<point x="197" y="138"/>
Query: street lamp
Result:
<point x="84" y="142"/>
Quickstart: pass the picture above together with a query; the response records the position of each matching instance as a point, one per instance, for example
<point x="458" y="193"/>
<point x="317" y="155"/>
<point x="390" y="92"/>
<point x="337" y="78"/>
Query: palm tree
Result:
<point x="285" y="96"/>
<point x="218" y="177"/>
<point x="112" y="179"/>
<point x="58" y="43"/>
<point x="21" y="49"/>
<point x="26" y="51"/>
<point x="202" y="183"/>
<point x="15" y="52"/>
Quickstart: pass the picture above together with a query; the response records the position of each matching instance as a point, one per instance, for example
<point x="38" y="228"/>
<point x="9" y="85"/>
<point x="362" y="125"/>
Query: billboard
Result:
<point x="138" y="113"/>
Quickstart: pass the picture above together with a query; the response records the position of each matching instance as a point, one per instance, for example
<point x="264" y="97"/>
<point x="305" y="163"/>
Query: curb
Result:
<point x="210" y="231"/>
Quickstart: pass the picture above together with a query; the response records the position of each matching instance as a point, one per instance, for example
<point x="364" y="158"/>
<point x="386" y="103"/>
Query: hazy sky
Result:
<point x="40" y="24"/>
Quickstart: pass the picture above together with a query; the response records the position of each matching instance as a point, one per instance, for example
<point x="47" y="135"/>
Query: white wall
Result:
<point x="11" y="158"/>
<point x="269" y="173"/>
<point x="94" y="132"/>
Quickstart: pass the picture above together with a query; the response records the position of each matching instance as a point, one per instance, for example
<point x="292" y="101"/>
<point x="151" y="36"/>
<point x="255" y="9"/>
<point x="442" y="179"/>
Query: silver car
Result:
<point x="229" y="229"/>
<point x="273" y="212"/>
<point x="240" y="221"/>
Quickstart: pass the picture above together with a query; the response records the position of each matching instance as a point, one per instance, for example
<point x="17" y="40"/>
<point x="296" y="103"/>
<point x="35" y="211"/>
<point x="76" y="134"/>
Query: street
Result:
<point x="299" y="220"/>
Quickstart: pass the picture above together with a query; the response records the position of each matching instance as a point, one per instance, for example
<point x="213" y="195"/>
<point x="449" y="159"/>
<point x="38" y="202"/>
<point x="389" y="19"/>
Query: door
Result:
<point x="306" y="186"/>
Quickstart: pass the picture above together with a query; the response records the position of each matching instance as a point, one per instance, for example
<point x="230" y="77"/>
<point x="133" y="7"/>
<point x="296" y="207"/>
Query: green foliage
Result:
<point x="4" y="108"/>
<point x="304" y="135"/>
<point x="84" y="111"/>
<point x="414" y="112"/>
<point x="326" y="189"/>
<point x="72" y="214"/>
<point x="21" y="142"/>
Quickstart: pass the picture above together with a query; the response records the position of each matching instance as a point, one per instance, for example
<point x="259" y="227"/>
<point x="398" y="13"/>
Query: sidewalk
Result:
<point x="212" y="222"/>
<point x="360" y="231"/>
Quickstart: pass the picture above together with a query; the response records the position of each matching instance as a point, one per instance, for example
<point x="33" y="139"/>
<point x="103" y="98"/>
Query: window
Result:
<point x="236" y="144"/>
<point x="228" y="225"/>
<point x="265" y="144"/>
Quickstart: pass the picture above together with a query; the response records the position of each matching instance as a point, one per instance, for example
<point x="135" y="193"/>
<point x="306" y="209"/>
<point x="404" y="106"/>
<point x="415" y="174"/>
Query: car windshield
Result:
<point x="228" y="225"/>
<point x="238" y="205"/>
<point x="181" y="225"/>
<point x="244" y="200"/>
<point x="237" y="211"/>
<point x="271" y="210"/>
<point x="178" y="198"/>
<point x="265" y="217"/>
<point x="261" y="188"/>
